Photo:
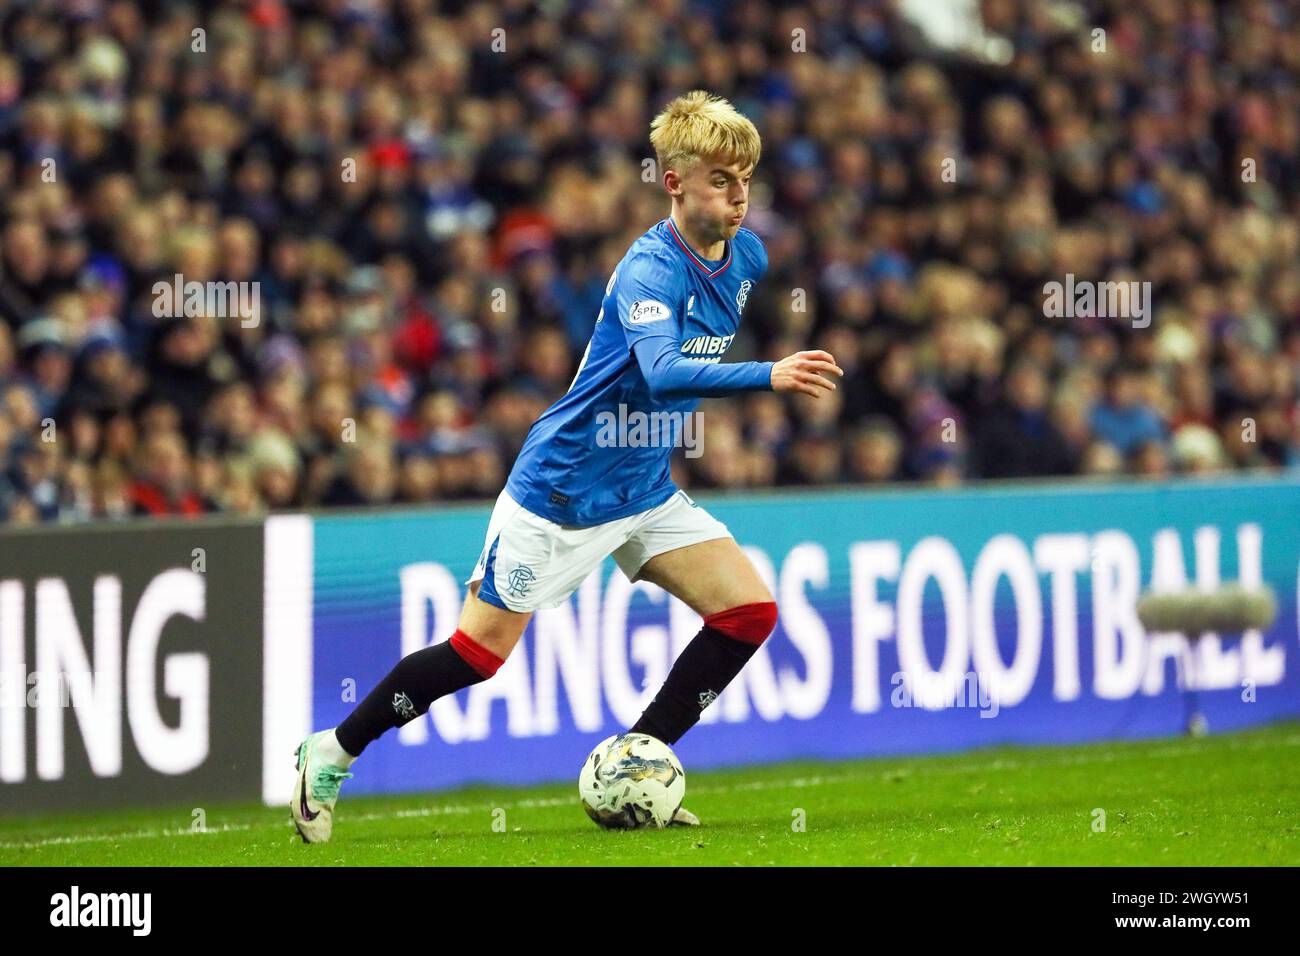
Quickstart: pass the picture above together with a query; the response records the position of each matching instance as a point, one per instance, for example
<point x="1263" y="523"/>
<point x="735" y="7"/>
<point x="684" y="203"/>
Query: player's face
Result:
<point x="715" y="197"/>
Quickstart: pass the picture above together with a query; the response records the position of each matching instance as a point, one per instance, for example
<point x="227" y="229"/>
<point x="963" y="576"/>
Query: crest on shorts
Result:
<point x="519" y="580"/>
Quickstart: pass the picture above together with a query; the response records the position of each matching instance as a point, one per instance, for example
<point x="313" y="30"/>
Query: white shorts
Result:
<point x="529" y="563"/>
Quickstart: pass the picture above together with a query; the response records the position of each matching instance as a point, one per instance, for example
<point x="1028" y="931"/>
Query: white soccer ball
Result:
<point x="631" y="781"/>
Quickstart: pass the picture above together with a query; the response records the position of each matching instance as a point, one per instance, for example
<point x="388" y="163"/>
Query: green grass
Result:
<point x="1232" y="799"/>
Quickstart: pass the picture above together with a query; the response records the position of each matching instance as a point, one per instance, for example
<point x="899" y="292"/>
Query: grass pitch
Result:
<point x="1231" y="799"/>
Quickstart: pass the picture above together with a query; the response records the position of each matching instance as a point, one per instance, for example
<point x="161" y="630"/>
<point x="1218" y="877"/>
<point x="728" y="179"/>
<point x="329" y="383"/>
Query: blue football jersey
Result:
<point x="666" y="321"/>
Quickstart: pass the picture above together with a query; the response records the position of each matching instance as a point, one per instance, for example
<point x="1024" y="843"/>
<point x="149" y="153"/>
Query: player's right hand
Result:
<point x="804" y="371"/>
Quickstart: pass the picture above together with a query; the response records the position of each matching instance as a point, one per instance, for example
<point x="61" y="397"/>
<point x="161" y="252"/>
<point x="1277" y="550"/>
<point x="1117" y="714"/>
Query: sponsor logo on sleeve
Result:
<point x="644" y="311"/>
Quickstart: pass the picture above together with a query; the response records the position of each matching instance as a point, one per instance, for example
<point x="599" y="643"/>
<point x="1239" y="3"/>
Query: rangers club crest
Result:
<point x="404" y="707"/>
<point x="742" y="296"/>
<point x="519" y="579"/>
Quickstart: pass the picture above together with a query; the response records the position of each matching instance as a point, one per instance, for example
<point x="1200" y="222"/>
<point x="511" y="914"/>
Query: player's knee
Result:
<point x="750" y="623"/>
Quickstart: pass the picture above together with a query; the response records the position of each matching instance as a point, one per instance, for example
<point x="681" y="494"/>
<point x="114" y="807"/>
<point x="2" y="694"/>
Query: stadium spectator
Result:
<point x="1017" y="437"/>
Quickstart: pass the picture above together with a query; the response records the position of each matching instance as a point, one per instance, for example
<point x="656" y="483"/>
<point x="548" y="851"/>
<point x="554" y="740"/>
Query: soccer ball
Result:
<point x="631" y="781"/>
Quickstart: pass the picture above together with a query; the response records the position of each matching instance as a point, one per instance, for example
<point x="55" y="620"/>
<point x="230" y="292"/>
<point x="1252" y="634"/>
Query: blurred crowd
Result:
<point x="431" y="198"/>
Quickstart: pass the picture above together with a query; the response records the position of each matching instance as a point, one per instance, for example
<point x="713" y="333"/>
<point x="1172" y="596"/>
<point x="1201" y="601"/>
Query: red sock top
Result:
<point x="751" y="623"/>
<point x="474" y="654"/>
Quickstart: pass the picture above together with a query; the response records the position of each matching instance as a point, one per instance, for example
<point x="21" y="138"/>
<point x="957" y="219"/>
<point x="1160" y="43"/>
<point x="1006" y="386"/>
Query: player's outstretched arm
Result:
<point x="671" y="375"/>
<point x="804" y="372"/>
<point x="644" y="296"/>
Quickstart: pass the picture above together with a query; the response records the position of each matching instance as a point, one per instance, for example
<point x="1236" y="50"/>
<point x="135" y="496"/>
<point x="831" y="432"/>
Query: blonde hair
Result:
<point x="695" y="125"/>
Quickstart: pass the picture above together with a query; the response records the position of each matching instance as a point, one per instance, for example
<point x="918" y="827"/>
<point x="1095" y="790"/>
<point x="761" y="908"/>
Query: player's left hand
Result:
<point x="805" y="372"/>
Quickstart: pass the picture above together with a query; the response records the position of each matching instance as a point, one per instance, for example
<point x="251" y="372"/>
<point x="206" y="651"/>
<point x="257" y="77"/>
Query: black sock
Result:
<point x="699" y="675"/>
<point x="416" y="682"/>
